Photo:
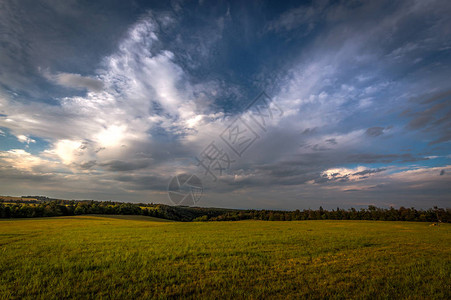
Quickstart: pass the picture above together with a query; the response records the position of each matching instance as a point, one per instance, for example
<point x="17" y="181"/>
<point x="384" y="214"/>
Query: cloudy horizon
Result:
<point x="109" y="102"/>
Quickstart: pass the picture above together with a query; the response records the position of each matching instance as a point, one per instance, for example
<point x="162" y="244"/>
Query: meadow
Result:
<point x="139" y="257"/>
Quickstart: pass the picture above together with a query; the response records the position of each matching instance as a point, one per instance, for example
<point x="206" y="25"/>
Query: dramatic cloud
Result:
<point x="109" y="102"/>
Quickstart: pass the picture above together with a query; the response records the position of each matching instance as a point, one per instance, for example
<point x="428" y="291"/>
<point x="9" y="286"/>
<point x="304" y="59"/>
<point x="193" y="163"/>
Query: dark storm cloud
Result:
<point x="314" y="163"/>
<point x="144" y="182"/>
<point x="298" y="171"/>
<point x="309" y="131"/>
<point x="121" y="166"/>
<point x="13" y="174"/>
<point x="370" y="158"/>
<point x="422" y="119"/>
<point x="375" y="131"/>
<point x="370" y="171"/>
<point x="432" y="116"/>
<point x="88" y="165"/>
<point x="332" y="141"/>
<point x="309" y="167"/>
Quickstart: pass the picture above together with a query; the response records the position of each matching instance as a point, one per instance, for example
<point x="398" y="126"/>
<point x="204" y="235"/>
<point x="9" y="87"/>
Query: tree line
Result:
<point x="52" y="208"/>
<point x="371" y="213"/>
<point x="57" y="208"/>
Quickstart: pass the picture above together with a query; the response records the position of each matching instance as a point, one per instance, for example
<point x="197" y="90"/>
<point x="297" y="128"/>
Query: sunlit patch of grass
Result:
<point x="140" y="257"/>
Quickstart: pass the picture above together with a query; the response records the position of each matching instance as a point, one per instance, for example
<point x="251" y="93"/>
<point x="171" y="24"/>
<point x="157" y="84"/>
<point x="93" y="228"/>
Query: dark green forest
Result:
<point x="46" y="207"/>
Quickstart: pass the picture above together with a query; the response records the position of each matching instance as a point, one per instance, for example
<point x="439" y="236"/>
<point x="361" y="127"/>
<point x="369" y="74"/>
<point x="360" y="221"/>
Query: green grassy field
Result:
<point x="124" y="257"/>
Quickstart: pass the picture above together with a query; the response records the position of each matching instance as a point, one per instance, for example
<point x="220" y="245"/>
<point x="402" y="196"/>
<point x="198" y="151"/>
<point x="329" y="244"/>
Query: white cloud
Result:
<point x="25" y="139"/>
<point x="67" y="150"/>
<point x="139" y="88"/>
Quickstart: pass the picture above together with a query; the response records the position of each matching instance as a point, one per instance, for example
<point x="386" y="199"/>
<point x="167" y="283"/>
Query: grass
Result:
<point x="125" y="257"/>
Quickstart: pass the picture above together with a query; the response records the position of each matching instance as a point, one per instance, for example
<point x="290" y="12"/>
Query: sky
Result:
<point x="271" y="104"/>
